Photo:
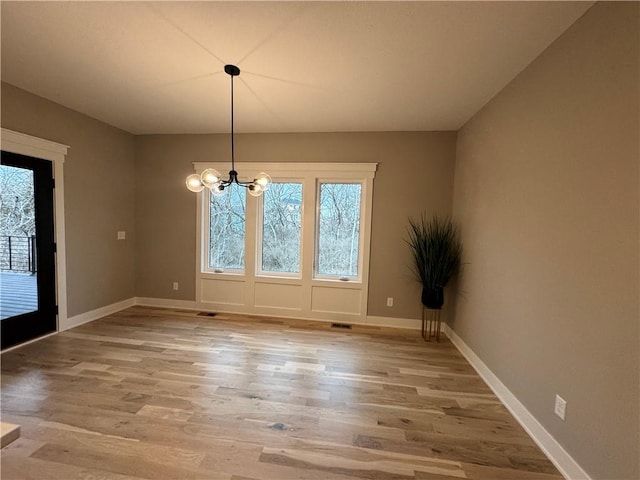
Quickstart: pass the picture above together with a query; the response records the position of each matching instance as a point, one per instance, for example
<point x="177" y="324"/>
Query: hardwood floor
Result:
<point x="165" y="394"/>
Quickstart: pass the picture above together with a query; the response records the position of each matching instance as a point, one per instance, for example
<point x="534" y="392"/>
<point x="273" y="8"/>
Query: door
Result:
<point x="27" y="249"/>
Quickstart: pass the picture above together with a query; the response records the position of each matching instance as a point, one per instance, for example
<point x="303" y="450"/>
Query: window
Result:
<point x="227" y="229"/>
<point x="299" y="250"/>
<point x="310" y="228"/>
<point x="281" y="227"/>
<point x="338" y="240"/>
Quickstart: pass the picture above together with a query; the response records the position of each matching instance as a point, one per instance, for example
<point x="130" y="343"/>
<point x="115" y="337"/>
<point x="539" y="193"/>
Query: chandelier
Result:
<point x="212" y="179"/>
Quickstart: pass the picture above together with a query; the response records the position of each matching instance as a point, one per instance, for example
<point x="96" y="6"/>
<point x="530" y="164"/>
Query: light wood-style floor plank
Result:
<point x="166" y="394"/>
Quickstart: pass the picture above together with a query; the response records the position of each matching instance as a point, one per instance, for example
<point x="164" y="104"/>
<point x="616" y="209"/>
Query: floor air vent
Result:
<point x="341" y="325"/>
<point x="206" y="314"/>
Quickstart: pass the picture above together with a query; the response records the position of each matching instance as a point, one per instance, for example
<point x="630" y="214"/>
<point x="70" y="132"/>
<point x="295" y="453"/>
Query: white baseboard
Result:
<point x="95" y="314"/>
<point x="410" y="323"/>
<point x="567" y="466"/>
<point x="167" y="303"/>
<point x="77" y="320"/>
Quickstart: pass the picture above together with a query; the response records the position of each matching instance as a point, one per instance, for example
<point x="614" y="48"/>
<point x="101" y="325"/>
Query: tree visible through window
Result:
<point x="227" y="229"/>
<point x="17" y="202"/>
<point x="339" y="229"/>
<point x="330" y="200"/>
<point x="281" y="224"/>
<point x="17" y="219"/>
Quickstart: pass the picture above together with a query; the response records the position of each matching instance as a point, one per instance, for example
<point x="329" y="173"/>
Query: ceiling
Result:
<point x="157" y="67"/>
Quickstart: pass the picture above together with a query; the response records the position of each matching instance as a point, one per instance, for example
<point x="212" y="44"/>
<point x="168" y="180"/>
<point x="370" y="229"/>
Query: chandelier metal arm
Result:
<point x="210" y="178"/>
<point x="233" y="178"/>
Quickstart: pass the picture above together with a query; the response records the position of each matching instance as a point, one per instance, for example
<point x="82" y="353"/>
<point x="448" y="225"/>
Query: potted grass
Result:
<point x="437" y="255"/>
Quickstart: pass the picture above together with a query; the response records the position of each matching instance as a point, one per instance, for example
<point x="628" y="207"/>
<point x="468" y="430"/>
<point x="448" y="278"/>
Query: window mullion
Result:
<point x="251" y="238"/>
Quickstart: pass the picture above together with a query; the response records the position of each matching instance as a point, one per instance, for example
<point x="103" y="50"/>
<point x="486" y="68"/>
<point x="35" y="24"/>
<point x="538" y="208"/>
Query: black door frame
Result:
<point x="21" y="328"/>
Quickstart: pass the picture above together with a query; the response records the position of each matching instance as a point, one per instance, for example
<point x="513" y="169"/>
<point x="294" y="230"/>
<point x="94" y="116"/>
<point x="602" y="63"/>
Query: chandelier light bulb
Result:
<point x="263" y="179"/>
<point x="210" y="177"/>
<point x="194" y="183"/>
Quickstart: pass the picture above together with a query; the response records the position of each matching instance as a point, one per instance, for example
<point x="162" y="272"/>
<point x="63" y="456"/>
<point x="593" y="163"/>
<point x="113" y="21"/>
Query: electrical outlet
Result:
<point x="175" y="285"/>
<point x="122" y="235"/>
<point x="389" y="301"/>
<point x="560" y="407"/>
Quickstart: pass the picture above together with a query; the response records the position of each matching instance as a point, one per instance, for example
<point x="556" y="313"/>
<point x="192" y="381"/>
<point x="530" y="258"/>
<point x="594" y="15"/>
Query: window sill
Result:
<point x="230" y="275"/>
<point x="278" y="280"/>
<point x="337" y="283"/>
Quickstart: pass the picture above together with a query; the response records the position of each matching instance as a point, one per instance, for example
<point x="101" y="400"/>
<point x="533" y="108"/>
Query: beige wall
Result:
<point x="546" y="191"/>
<point x="98" y="192"/>
<point x="415" y="173"/>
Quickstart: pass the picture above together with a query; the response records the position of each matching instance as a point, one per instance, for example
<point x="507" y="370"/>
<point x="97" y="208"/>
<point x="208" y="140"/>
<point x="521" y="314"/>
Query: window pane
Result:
<point x="339" y="229"/>
<point x="226" y="229"/>
<point x="281" y="222"/>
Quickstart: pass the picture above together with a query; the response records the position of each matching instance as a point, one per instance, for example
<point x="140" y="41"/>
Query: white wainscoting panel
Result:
<point x="336" y="300"/>
<point x="223" y="292"/>
<point x="273" y="295"/>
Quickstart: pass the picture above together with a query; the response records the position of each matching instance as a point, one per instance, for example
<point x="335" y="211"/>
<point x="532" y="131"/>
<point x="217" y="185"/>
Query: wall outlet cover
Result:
<point x="560" y="408"/>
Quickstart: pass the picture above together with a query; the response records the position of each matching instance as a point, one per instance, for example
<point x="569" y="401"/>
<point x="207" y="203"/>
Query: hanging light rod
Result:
<point x="211" y="178"/>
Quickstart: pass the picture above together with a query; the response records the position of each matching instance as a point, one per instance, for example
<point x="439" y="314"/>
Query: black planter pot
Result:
<point x="433" y="298"/>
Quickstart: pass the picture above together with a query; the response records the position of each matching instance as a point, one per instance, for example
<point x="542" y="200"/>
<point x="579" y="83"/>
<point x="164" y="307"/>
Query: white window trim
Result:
<point x="56" y="153"/>
<point x="361" y="239"/>
<point x="251" y="281"/>
<point x="204" y="264"/>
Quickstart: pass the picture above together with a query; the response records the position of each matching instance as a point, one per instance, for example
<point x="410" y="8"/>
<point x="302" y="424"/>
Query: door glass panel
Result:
<point x="18" y="266"/>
